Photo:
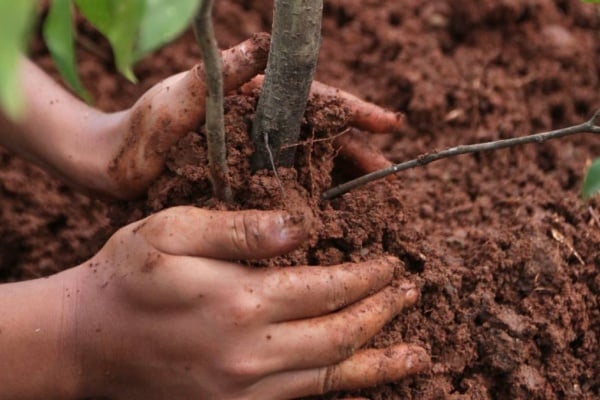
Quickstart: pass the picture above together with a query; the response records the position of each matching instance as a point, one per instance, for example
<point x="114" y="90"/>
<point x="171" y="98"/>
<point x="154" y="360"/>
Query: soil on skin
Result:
<point x="505" y="252"/>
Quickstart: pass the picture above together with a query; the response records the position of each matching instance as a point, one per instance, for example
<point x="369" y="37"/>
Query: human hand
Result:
<point x="119" y="154"/>
<point x="160" y="314"/>
<point x="177" y="105"/>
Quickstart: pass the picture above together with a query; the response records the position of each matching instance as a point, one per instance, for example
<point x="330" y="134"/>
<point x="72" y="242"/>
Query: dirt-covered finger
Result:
<point x="249" y="234"/>
<point x="244" y="61"/>
<point x="364" y="369"/>
<point x="363" y="115"/>
<point x="323" y="289"/>
<point x="331" y="338"/>
<point x="360" y="153"/>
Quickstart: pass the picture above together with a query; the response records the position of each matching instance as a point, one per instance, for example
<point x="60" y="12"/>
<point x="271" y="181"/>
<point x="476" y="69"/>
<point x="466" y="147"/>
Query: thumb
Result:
<point x="225" y="235"/>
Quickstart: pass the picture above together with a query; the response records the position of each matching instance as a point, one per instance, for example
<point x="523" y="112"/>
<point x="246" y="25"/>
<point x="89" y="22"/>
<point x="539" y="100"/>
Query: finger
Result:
<point x="365" y="158"/>
<point x="170" y="110"/>
<point x="364" y="369"/>
<point x="242" y="62"/>
<point x="331" y="338"/>
<point x="322" y="289"/>
<point x="363" y="115"/>
<point x="184" y="96"/>
<point x="225" y="235"/>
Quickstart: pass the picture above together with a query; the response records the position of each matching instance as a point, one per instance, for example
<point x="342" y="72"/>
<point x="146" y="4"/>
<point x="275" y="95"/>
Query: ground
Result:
<point x="506" y="253"/>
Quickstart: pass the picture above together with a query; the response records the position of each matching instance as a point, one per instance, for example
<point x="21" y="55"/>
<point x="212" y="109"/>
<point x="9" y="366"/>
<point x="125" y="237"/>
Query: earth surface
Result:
<point x="503" y="248"/>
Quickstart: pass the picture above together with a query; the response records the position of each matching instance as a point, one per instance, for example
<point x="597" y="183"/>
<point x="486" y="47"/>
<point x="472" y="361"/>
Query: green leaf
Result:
<point x="60" y="39"/>
<point x="591" y="182"/>
<point x="15" y="23"/>
<point x="119" y="21"/>
<point x="163" y="21"/>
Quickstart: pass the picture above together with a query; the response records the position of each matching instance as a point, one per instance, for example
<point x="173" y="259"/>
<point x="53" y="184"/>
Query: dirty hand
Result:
<point x="159" y="314"/>
<point x="144" y="133"/>
<point x="119" y="154"/>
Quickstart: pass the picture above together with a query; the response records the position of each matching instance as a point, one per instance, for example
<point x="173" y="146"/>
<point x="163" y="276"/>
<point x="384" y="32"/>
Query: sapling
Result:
<point x="296" y="37"/>
<point x="215" y="125"/>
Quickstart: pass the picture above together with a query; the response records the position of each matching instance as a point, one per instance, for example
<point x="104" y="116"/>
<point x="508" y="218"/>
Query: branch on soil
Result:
<point x="591" y="126"/>
<point x="215" y="125"/>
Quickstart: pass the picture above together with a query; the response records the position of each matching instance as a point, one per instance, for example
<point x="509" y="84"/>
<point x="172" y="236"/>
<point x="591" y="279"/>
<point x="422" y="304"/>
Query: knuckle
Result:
<point x="124" y="244"/>
<point x="329" y="379"/>
<point x="274" y="280"/>
<point x="337" y="297"/>
<point x="245" y="232"/>
<point x="154" y="260"/>
<point x="242" y="370"/>
<point x="121" y="235"/>
<point x="165" y="219"/>
<point x="243" y="310"/>
<point x="342" y="342"/>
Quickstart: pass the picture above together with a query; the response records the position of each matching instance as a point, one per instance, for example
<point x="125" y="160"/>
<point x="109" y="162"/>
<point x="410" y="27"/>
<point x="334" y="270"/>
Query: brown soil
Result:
<point x="506" y="253"/>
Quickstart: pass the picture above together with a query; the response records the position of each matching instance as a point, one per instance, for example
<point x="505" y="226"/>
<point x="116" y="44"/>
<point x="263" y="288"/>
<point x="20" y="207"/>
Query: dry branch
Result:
<point x="591" y="126"/>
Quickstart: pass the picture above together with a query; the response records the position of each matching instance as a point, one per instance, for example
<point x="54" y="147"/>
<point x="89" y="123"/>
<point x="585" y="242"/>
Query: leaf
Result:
<point x="15" y="23"/>
<point x="60" y="39"/>
<point x="119" y="21"/>
<point x="591" y="182"/>
<point x="163" y="21"/>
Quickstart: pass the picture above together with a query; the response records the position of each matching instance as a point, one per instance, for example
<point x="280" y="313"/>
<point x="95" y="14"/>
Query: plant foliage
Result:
<point x="133" y="28"/>
<point x="591" y="182"/>
<point x="15" y="20"/>
<point x="60" y="39"/>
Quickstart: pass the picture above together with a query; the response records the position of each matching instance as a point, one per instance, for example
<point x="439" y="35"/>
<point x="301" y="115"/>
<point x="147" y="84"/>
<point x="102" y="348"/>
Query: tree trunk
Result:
<point x="296" y="38"/>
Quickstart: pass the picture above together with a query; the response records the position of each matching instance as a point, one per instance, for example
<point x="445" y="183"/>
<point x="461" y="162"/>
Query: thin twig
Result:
<point x="591" y="126"/>
<point x="215" y="121"/>
<point x="310" y="142"/>
<point x="273" y="166"/>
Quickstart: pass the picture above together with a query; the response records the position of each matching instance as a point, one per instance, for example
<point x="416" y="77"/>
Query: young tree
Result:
<point x="295" y="42"/>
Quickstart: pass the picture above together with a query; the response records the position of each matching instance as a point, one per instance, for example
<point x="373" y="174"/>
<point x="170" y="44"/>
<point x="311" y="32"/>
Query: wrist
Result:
<point x="38" y="359"/>
<point x="61" y="133"/>
<point x="86" y="156"/>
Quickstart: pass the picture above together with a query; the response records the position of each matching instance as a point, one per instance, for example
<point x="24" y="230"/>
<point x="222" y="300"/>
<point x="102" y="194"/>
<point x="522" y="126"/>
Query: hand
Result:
<point x="119" y="154"/>
<point x="177" y="105"/>
<point x="160" y="314"/>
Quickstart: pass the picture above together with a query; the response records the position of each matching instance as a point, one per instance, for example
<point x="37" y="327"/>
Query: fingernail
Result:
<point x="292" y="227"/>
<point x="417" y="360"/>
<point x="406" y="286"/>
<point x="411" y="293"/>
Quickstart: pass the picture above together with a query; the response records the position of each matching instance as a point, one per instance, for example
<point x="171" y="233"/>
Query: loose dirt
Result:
<point x="505" y="252"/>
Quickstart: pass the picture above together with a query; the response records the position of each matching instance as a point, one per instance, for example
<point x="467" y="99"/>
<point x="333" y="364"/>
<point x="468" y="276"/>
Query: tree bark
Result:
<point x="295" y="43"/>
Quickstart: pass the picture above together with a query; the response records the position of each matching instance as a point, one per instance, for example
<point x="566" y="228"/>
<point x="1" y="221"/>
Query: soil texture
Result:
<point x="505" y="252"/>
